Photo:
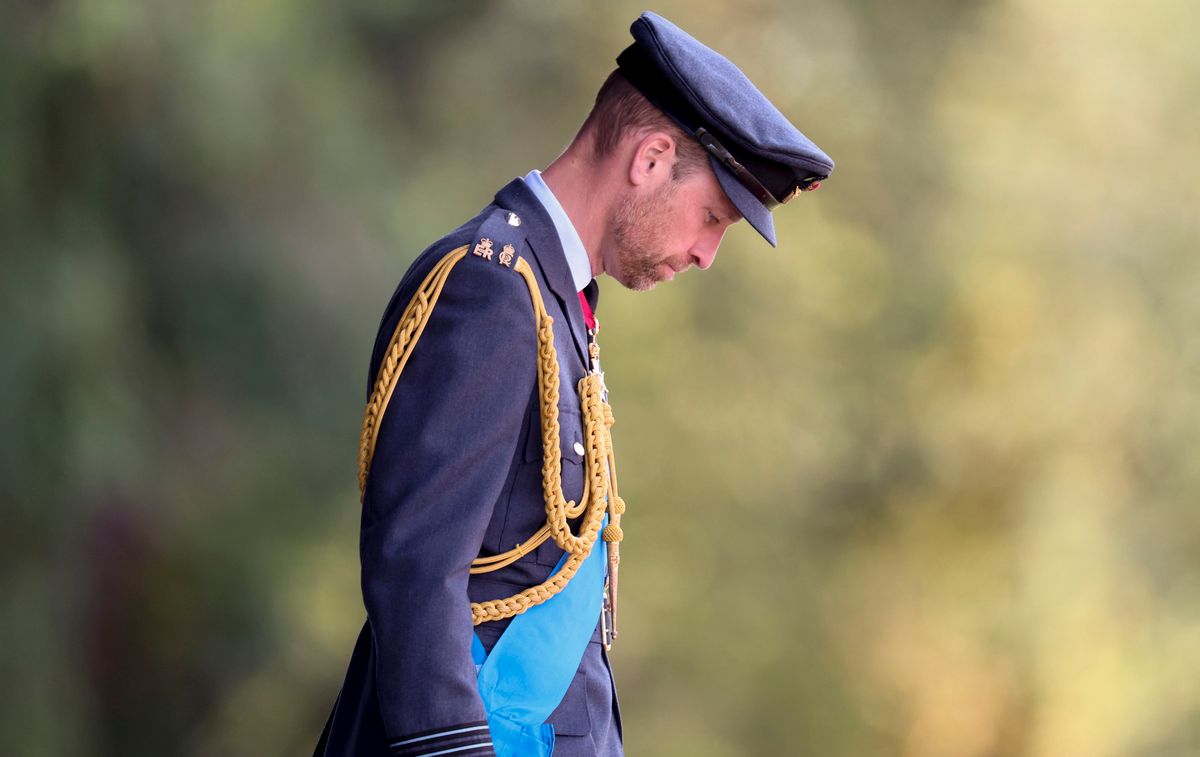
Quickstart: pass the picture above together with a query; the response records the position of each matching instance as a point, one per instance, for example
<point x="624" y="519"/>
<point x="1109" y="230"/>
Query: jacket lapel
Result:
<point x="547" y="252"/>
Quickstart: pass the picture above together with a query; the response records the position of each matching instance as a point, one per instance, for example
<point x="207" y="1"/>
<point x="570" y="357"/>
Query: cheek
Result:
<point x="680" y="230"/>
<point x="677" y="240"/>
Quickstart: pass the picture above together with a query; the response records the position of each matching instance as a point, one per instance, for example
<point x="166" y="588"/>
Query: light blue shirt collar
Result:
<point x="577" y="257"/>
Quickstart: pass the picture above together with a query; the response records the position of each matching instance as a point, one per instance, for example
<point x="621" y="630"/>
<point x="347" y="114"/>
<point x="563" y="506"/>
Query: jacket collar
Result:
<point x="542" y="239"/>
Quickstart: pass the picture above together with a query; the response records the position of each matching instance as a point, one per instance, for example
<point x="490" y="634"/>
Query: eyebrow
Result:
<point x="727" y="209"/>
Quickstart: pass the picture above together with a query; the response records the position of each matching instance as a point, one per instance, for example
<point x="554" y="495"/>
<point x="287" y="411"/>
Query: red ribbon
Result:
<point x="588" y="317"/>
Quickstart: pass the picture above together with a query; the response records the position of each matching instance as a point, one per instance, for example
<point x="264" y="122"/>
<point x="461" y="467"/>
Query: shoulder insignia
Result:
<point x="500" y="233"/>
<point x="484" y="249"/>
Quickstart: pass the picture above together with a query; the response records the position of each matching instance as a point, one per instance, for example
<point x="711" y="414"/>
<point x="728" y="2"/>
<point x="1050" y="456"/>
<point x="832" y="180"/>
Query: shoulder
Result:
<point x="480" y="259"/>
<point x="469" y="284"/>
<point x="492" y="240"/>
<point x="498" y="239"/>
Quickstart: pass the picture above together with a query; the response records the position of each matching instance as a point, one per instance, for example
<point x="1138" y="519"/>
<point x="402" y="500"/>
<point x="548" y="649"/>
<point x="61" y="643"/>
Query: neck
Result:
<point x="578" y="184"/>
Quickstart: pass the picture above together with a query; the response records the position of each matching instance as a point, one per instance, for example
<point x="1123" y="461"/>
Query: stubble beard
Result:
<point x="639" y="226"/>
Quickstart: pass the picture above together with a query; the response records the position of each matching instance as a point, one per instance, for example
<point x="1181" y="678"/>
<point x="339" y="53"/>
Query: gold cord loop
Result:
<point x="600" y="467"/>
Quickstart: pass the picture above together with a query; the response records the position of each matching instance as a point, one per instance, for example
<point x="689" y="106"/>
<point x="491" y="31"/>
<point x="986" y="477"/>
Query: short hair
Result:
<point x="621" y="109"/>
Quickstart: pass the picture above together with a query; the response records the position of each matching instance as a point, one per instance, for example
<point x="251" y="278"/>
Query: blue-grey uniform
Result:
<point x="457" y="467"/>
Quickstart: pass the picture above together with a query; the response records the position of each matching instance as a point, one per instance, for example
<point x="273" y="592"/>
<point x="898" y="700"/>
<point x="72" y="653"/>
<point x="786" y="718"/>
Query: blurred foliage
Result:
<point x="922" y="482"/>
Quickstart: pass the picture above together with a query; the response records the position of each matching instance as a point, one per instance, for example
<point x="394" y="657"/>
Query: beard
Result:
<point x="639" y="226"/>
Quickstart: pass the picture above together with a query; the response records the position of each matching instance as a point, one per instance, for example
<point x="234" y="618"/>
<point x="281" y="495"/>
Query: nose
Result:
<point x="705" y="250"/>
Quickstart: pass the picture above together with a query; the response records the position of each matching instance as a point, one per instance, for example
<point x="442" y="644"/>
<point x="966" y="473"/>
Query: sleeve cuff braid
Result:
<point x="463" y="740"/>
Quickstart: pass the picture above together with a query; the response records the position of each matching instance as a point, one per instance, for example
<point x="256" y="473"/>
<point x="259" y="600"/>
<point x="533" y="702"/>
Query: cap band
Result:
<point x="710" y="143"/>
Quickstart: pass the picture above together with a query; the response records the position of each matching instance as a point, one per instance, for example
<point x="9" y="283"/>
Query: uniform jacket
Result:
<point x="457" y="474"/>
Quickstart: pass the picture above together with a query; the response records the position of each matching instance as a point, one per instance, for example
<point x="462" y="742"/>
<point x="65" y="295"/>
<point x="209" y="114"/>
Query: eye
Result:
<point x="712" y="219"/>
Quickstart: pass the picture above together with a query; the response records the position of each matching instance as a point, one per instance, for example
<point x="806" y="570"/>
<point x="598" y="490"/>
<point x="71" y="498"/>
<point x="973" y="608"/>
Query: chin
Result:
<point x="641" y="269"/>
<point x="639" y="283"/>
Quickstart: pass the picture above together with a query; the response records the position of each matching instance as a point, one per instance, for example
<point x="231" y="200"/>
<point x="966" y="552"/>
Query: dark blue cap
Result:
<point x="759" y="157"/>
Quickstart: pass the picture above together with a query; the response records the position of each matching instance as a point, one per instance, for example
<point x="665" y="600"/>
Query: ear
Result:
<point x="652" y="159"/>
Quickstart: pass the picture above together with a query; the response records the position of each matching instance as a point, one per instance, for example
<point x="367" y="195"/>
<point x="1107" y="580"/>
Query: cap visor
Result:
<point x="755" y="213"/>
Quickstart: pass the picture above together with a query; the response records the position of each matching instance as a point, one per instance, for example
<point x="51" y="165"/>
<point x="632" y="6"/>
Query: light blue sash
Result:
<point x="533" y="663"/>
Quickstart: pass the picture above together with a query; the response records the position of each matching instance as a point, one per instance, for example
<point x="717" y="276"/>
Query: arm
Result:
<point x="445" y="449"/>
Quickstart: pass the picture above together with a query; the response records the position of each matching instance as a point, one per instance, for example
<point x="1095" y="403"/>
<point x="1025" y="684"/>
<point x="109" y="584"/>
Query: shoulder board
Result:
<point x="499" y="238"/>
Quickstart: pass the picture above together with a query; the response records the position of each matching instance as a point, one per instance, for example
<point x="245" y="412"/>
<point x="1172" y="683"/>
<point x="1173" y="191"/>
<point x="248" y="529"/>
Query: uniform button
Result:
<point x="514" y="219"/>
<point x="578" y="449"/>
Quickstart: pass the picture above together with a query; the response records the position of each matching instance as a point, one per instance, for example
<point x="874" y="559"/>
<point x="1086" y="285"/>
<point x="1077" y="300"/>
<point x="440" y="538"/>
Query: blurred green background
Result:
<point x="923" y="481"/>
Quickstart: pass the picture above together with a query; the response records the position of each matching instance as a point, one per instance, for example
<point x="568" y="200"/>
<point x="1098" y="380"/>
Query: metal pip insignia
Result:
<point x="484" y="249"/>
<point x="506" y="255"/>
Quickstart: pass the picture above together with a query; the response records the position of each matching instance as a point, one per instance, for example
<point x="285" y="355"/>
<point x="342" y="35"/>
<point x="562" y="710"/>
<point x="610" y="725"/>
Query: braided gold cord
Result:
<point x="404" y="339"/>
<point x="558" y="509"/>
<point x="599" y="462"/>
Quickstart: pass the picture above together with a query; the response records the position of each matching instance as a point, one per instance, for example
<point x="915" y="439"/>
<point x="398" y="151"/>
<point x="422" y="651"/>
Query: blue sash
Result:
<point x="533" y="663"/>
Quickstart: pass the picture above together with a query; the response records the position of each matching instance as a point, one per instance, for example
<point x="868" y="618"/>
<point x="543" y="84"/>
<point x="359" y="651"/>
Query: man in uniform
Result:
<point x="491" y="518"/>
